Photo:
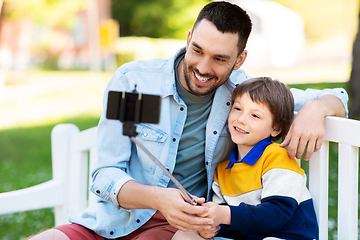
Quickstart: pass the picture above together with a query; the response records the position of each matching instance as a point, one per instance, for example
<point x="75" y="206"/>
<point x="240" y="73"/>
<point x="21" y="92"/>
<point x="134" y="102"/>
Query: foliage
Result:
<point x="50" y="12"/>
<point x="156" y="18"/>
<point x="354" y="82"/>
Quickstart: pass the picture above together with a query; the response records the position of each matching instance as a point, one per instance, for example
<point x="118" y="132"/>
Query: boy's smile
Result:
<point x="249" y="123"/>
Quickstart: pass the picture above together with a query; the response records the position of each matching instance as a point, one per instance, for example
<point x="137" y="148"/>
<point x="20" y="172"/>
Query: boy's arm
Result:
<point x="220" y="215"/>
<point x="266" y="217"/>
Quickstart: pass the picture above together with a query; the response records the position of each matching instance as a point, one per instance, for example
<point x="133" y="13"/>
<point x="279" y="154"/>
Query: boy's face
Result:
<point x="249" y="123"/>
<point x="210" y="58"/>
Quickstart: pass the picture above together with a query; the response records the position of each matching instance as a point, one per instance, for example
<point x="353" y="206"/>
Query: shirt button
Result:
<point x="181" y="109"/>
<point x="174" y="139"/>
<point x="138" y="220"/>
<point x="111" y="233"/>
<point x="215" y="132"/>
<point x="228" y="103"/>
<point x="98" y="191"/>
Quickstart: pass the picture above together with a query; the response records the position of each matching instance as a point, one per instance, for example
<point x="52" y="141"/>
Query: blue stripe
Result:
<point x="252" y="156"/>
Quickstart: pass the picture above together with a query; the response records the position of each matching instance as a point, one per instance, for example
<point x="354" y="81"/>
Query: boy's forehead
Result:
<point x="244" y="97"/>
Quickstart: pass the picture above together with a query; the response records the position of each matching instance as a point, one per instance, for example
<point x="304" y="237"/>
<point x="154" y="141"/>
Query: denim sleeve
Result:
<point x="302" y="96"/>
<point x="110" y="172"/>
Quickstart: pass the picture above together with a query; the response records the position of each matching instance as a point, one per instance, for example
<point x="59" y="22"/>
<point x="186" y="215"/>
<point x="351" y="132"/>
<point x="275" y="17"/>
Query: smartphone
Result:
<point x="133" y="107"/>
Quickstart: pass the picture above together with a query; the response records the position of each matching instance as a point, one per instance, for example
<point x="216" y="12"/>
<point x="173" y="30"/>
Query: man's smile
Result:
<point x="202" y="79"/>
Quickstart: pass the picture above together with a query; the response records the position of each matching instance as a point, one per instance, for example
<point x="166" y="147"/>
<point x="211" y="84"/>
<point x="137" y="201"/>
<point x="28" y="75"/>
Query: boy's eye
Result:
<point x="255" y="116"/>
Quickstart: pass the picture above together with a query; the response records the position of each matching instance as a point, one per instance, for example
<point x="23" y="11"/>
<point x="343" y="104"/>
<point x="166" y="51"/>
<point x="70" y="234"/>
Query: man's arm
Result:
<point x="168" y="201"/>
<point x="308" y="127"/>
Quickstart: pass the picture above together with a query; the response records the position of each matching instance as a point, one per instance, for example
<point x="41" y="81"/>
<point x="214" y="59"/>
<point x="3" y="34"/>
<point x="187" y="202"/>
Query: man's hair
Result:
<point x="228" y="18"/>
<point x="275" y="95"/>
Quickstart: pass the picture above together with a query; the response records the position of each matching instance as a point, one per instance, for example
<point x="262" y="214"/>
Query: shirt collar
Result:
<point x="252" y="156"/>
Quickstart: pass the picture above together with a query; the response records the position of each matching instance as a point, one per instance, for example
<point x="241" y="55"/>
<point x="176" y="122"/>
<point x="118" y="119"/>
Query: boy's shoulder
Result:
<point x="275" y="156"/>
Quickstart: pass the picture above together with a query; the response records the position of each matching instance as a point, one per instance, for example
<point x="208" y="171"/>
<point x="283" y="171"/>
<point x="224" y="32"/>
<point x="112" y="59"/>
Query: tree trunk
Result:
<point x="354" y="82"/>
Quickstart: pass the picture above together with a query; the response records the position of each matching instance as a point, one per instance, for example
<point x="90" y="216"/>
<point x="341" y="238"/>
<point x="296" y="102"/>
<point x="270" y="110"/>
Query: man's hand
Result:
<point x="168" y="201"/>
<point x="308" y="127"/>
<point x="181" y="214"/>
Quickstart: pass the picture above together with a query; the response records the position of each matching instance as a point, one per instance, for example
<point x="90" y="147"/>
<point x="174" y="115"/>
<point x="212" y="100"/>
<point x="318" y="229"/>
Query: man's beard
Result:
<point x="196" y="90"/>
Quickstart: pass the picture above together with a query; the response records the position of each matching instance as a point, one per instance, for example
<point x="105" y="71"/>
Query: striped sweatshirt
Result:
<point x="267" y="195"/>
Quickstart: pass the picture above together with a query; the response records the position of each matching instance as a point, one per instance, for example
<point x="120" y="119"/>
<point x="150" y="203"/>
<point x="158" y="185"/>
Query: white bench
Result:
<point x="74" y="152"/>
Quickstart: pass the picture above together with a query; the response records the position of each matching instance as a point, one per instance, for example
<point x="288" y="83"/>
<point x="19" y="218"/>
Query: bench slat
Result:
<point x="348" y="192"/>
<point x="319" y="187"/>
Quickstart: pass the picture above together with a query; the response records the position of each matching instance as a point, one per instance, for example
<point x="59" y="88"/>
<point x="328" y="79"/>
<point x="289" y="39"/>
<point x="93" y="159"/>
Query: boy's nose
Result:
<point x="242" y="119"/>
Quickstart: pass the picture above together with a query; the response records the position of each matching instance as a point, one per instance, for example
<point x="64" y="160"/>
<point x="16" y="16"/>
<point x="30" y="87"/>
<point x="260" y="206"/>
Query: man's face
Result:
<point x="210" y="58"/>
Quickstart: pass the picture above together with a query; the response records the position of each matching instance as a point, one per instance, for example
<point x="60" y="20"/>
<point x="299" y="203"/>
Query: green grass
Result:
<point x="25" y="160"/>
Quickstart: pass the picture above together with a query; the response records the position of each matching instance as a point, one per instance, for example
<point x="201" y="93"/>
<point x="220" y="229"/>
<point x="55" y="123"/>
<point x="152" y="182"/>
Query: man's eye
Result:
<point x="220" y="59"/>
<point x="197" y="51"/>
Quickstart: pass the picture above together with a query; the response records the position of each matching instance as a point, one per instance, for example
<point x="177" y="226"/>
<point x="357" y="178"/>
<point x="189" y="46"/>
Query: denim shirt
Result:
<point x="113" y="168"/>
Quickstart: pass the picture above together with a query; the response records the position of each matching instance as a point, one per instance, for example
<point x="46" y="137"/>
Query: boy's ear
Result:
<point x="275" y="132"/>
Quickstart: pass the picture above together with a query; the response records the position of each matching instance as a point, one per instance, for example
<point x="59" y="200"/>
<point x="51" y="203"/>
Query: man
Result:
<point x="135" y="198"/>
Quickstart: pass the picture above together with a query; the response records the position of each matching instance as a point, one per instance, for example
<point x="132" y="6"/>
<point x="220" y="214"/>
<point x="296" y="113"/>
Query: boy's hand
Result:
<point x="181" y="214"/>
<point x="209" y="233"/>
<point x="219" y="213"/>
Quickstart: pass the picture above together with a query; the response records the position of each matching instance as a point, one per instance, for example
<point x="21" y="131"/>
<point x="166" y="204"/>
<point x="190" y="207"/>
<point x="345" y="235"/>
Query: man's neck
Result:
<point x="180" y="73"/>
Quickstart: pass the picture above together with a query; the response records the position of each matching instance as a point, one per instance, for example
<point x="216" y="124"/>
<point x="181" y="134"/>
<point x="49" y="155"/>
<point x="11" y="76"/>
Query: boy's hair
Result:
<point x="228" y="18"/>
<point x="275" y="95"/>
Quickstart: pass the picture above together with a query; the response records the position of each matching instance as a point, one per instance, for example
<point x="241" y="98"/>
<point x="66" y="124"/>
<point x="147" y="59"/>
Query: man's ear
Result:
<point x="188" y="38"/>
<point x="240" y="60"/>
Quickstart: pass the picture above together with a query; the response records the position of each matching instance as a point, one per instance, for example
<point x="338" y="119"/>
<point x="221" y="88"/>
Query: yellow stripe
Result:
<point x="243" y="178"/>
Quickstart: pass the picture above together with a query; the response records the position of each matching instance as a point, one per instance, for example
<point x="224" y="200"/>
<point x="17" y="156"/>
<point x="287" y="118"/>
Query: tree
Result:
<point x="156" y="18"/>
<point x="59" y="13"/>
<point x="354" y="82"/>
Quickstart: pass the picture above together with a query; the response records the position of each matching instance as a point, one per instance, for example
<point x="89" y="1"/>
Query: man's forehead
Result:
<point x="206" y="35"/>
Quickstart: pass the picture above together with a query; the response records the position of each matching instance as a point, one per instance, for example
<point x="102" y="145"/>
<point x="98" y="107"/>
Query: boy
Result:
<point x="260" y="193"/>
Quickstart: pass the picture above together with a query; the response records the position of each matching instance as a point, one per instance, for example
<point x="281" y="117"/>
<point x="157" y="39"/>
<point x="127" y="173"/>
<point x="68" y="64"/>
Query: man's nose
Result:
<point x="204" y="66"/>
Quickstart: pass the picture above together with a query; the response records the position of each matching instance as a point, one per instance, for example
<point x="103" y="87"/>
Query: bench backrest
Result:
<point x="346" y="133"/>
<point x="74" y="153"/>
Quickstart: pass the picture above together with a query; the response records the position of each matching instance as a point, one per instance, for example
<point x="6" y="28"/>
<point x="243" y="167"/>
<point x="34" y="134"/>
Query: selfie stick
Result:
<point x="186" y="194"/>
<point x="129" y="129"/>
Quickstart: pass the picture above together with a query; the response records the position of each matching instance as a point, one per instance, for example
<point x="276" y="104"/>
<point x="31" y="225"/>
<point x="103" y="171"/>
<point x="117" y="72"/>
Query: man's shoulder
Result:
<point x="149" y="65"/>
<point x="238" y="76"/>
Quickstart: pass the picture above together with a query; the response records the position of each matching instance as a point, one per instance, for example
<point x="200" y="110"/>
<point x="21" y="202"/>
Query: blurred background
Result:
<point x="56" y="57"/>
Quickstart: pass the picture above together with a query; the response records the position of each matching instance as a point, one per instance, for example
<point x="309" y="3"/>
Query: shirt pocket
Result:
<point x="153" y="140"/>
